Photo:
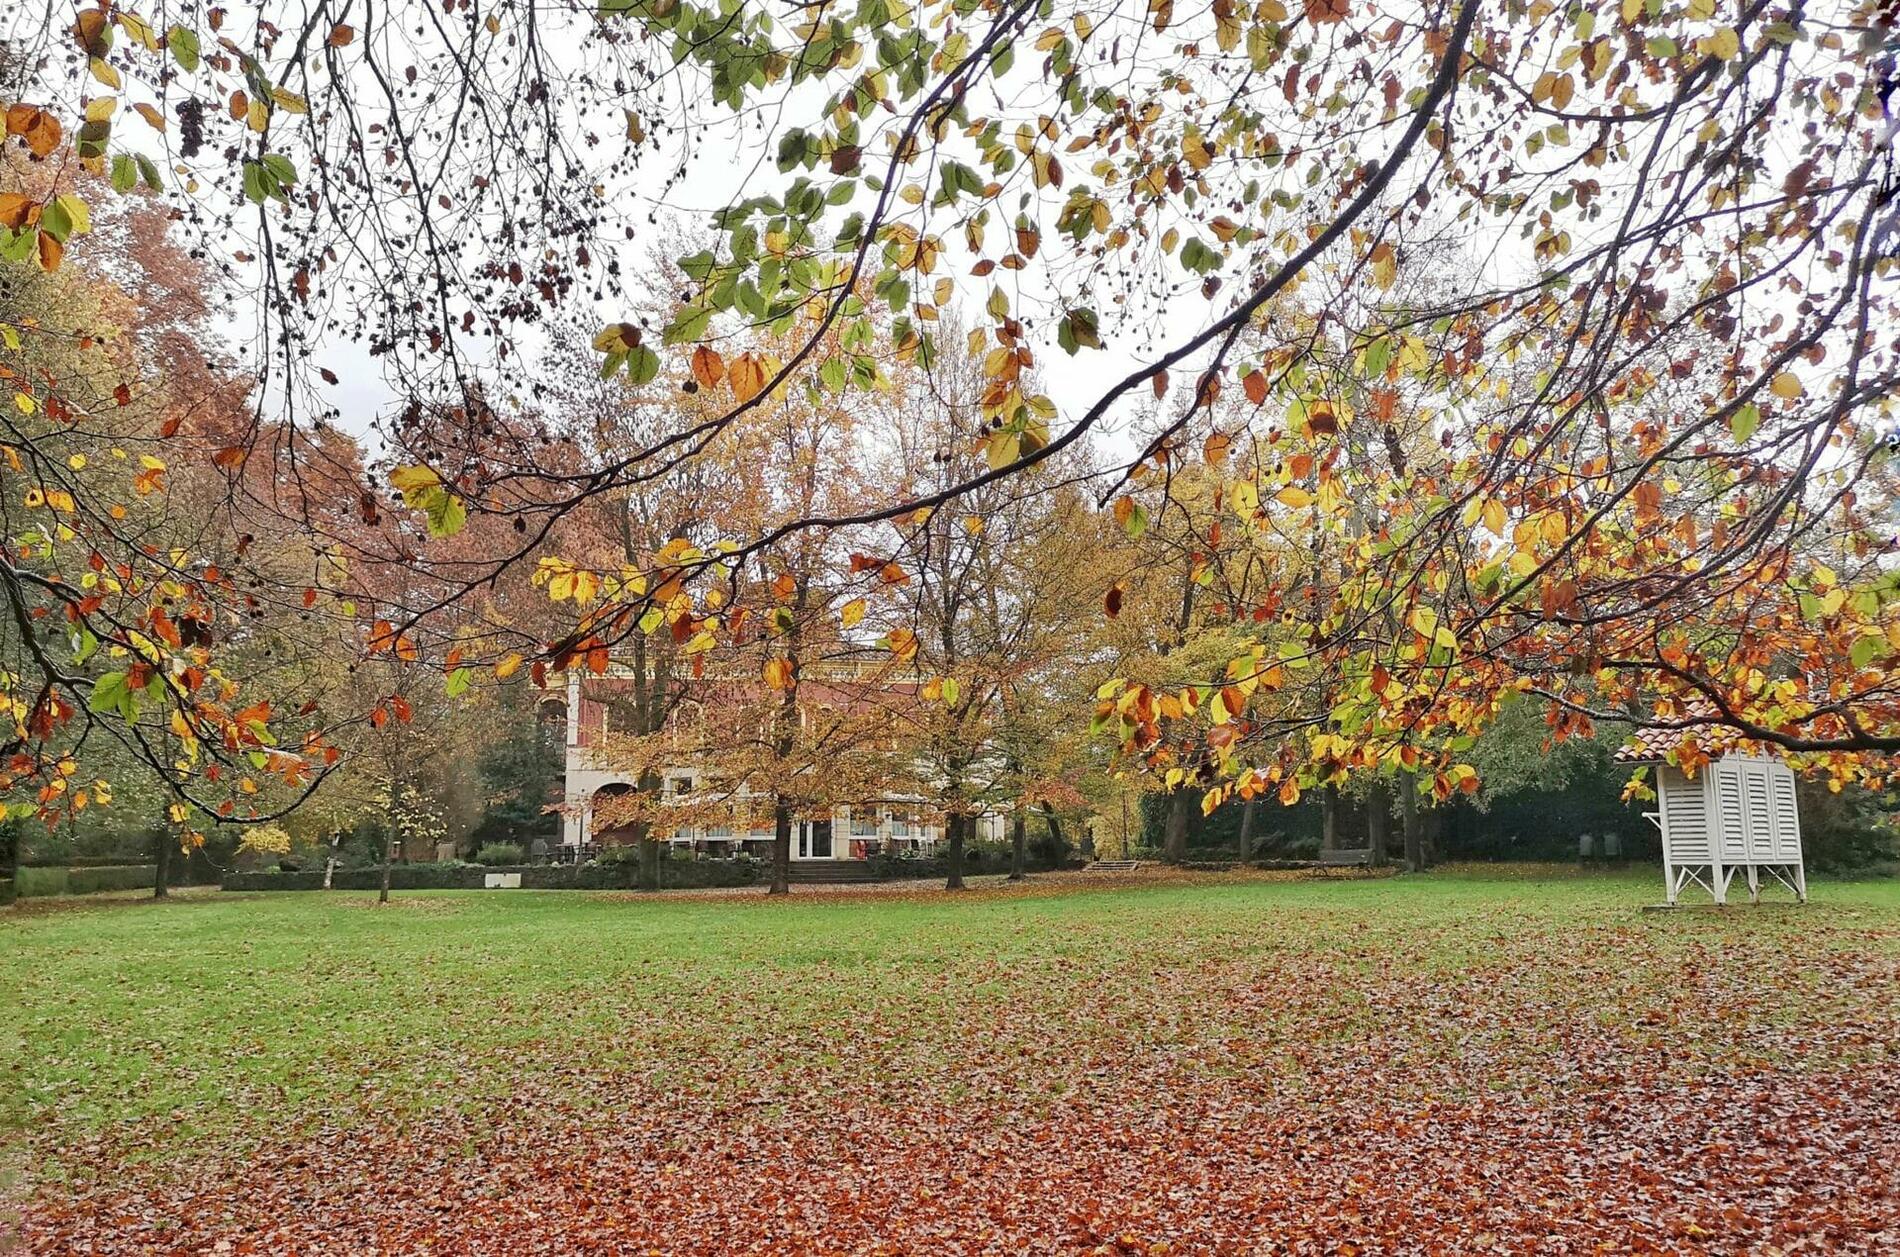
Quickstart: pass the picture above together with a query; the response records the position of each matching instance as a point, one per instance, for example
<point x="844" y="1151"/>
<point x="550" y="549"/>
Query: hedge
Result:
<point x="6" y="891"/>
<point x="674" y="874"/>
<point x="39" y="882"/>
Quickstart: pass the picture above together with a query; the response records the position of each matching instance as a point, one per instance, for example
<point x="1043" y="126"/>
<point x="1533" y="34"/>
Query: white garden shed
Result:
<point x="1737" y="815"/>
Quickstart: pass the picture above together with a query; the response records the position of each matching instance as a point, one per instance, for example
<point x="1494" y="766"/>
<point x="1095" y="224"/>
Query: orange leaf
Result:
<point x="1254" y="384"/>
<point x="778" y="673"/>
<point x="40" y="129"/>
<point x="708" y="367"/>
<point x="747" y="374"/>
<point x="16" y="211"/>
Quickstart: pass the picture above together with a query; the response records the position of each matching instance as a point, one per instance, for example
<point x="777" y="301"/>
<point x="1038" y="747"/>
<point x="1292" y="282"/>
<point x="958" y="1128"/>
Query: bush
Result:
<point x="6" y="891"/>
<point x="34" y="883"/>
<point x="621" y="875"/>
<point x="123" y="877"/>
<point x="499" y="853"/>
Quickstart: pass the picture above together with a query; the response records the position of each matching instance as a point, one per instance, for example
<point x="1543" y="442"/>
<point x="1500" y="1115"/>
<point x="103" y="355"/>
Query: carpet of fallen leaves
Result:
<point x="1217" y="1066"/>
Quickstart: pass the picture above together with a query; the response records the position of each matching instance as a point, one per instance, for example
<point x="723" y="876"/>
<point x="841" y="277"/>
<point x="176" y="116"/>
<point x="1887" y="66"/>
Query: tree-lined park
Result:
<point x="889" y="627"/>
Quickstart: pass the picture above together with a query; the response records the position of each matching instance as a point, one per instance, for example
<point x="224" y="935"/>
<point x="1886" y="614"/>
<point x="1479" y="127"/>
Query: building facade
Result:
<point x="901" y="826"/>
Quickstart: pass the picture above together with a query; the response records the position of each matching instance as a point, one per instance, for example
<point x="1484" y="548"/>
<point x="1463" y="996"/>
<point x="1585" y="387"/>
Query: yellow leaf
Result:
<point x="852" y="612"/>
<point x="1724" y="45"/>
<point x="1786" y="386"/>
<point x="410" y="479"/>
<point x="507" y="667"/>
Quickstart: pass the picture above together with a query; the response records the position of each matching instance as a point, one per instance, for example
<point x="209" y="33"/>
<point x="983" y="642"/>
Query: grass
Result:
<point x="204" y="1026"/>
<point x="1518" y="1059"/>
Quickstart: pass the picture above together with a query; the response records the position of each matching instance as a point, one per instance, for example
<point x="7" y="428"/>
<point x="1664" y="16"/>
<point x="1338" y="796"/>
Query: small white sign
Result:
<point x="502" y="881"/>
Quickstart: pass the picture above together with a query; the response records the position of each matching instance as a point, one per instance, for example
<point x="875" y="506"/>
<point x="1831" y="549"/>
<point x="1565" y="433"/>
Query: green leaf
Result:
<point x="1864" y="649"/>
<point x="1137" y="523"/>
<point x="457" y="682"/>
<point x="642" y="365"/>
<point x="444" y="511"/>
<point x="112" y="693"/>
<point x="280" y="169"/>
<point x="56" y="222"/>
<point x="1742" y="423"/>
<point x="76" y="212"/>
<point x="690" y="325"/>
<point x="125" y="173"/>
<point x="148" y="171"/>
<point x="184" y="48"/>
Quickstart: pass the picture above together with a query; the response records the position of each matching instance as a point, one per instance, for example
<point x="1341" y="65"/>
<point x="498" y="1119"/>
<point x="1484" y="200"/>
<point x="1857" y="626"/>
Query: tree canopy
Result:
<point x="1466" y="349"/>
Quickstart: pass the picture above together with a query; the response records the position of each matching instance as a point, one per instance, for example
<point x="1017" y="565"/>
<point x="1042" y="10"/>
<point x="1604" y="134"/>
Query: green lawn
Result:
<point x="235" y="1015"/>
<point x="155" y="1037"/>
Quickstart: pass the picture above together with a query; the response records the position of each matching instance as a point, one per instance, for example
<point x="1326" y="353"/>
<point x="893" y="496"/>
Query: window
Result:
<point x="864" y="822"/>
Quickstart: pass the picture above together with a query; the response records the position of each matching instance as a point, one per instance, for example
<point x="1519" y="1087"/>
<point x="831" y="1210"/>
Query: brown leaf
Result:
<point x="708" y="367"/>
<point x="40" y="129"/>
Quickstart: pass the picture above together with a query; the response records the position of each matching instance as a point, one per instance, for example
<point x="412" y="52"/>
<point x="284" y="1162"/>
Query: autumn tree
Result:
<point x="1656" y="378"/>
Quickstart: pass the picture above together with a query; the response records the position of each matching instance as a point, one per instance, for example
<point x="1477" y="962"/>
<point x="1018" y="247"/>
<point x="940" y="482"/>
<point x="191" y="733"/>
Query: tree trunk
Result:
<point x="1174" y="841"/>
<point x="1432" y="836"/>
<point x="10" y="852"/>
<point x="1246" y="829"/>
<point x="781" y="849"/>
<point x="389" y="845"/>
<point x="329" y="861"/>
<point x="161" y="880"/>
<point x="1329" y="818"/>
<point x="1019" y="845"/>
<point x="1408" y="818"/>
<point x="649" y="860"/>
<point x="1055" y="830"/>
<point x="956" y="853"/>
<point x="1378" y="818"/>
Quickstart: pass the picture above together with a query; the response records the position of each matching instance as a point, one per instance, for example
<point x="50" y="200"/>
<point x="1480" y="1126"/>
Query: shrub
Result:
<point x="598" y="876"/>
<point x="33" y="882"/>
<point x="499" y="853"/>
<point x="36" y="883"/>
<point x="6" y="891"/>
<point x="122" y="877"/>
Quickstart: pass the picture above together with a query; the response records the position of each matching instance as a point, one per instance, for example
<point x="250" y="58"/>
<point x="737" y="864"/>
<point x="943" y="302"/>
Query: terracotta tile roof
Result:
<point x="1653" y="745"/>
<point x="1645" y="746"/>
